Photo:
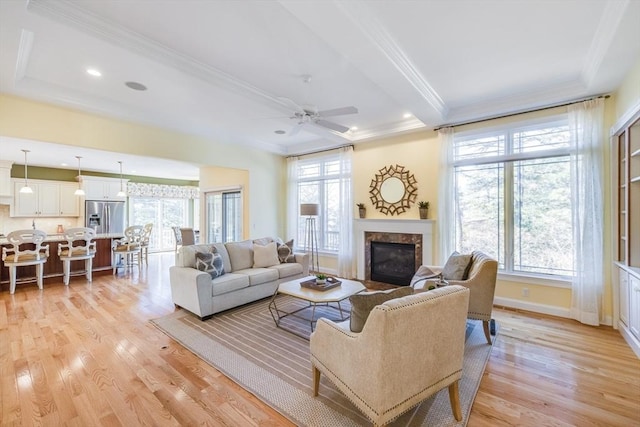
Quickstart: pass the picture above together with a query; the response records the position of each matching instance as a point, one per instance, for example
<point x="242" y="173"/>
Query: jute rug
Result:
<point x="273" y="364"/>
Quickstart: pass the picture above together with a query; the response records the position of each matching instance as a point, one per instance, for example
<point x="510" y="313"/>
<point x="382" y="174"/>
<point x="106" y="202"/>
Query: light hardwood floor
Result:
<point x="86" y="355"/>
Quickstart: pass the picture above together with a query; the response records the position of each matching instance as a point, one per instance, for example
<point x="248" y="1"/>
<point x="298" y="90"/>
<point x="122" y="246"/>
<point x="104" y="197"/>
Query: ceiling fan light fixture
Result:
<point x="25" y="189"/>
<point x="121" y="193"/>
<point x="79" y="191"/>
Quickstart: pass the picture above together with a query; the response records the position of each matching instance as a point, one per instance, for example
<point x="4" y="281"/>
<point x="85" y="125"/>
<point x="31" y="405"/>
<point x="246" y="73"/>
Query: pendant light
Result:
<point x="26" y="189"/>
<point x="79" y="191"/>
<point x="121" y="193"/>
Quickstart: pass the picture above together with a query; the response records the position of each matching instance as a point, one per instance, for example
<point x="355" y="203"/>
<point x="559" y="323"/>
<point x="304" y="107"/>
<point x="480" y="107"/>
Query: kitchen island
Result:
<point x="53" y="272"/>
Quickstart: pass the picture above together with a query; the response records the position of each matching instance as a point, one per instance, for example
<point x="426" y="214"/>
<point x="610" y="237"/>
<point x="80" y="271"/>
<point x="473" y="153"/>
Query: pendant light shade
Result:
<point x="121" y="193"/>
<point x="79" y="191"/>
<point x="26" y="189"/>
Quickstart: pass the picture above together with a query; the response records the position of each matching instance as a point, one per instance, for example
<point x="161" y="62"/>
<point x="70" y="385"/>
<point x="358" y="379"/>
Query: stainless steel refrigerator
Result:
<point x="105" y="217"/>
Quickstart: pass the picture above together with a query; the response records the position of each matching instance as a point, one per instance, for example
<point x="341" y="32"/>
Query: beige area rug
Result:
<point x="273" y="364"/>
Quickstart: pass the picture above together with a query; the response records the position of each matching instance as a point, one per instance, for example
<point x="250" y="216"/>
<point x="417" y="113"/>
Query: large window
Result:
<point x="224" y="216"/>
<point x="163" y="214"/>
<point x="319" y="182"/>
<point x="513" y="196"/>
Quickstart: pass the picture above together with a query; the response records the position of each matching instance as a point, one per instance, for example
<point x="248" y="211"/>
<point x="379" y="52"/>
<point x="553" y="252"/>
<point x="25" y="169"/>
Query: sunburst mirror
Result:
<point x="393" y="190"/>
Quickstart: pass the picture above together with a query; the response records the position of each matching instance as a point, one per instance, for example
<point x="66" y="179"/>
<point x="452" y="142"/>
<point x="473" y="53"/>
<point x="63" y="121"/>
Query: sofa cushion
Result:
<point x="240" y="254"/>
<point x="363" y="303"/>
<point x="285" y="252"/>
<point x="287" y="269"/>
<point x="265" y="255"/>
<point x="456" y="267"/>
<point x="258" y="276"/>
<point x="210" y="262"/>
<point x="228" y="283"/>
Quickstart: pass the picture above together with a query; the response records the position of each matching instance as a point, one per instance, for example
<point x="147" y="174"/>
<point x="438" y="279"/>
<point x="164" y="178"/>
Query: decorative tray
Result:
<point x="331" y="282"/>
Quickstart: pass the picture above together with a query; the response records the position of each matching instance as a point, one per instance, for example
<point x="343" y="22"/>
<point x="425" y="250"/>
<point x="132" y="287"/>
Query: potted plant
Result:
<point x="424" y="209"/>
<point x="321" y="279"/>
<point x="361" y="210"/>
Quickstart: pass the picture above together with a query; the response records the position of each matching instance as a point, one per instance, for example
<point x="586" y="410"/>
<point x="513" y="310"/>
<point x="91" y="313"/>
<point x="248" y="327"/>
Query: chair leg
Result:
<point x="487" y="334"/>
<point x="316" y="379"/>
<point x="40" y="273"/>
<point x="12" y="279"/>
<point x="88" y="265"/>
<point x="454" y="399"/>
<point x="66" y="267"/>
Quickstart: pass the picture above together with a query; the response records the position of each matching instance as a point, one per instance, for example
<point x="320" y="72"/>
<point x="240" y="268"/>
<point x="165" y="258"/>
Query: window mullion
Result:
<point x="508" y="207"/>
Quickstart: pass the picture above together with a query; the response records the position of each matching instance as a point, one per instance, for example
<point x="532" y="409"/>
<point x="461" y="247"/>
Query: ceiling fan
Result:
<point x="309" y="114"/>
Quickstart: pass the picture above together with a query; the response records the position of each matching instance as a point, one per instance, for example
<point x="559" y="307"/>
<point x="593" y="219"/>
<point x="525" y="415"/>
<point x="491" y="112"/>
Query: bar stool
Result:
<point x="14" y="257"/>
<point x="145" y="241"/>
<point x="79" y="247"/>
<point x="178" y="236"/>
<point x="128" y="247"/>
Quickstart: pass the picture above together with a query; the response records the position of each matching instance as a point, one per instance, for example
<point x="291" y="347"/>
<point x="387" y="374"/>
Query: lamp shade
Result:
<point x="310" y="209"/>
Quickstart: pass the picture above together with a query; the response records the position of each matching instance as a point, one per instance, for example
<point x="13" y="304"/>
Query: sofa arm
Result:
<point x="192" y="289"/>
<point x="303" y="259"/>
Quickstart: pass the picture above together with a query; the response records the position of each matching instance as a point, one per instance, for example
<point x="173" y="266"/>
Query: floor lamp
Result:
<point x="310" y="210"/>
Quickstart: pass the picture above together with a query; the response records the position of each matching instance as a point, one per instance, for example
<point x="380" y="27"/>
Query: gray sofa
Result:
<point x="243" y="281"/>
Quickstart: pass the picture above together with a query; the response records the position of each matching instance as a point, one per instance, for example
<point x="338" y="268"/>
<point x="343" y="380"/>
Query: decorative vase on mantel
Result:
<point x="362" y="210"/>
<point x="423" y="208"/>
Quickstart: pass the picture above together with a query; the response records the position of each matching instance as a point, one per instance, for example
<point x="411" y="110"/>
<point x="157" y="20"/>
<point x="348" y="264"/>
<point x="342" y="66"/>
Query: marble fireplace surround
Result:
<point x="413" y="229"/>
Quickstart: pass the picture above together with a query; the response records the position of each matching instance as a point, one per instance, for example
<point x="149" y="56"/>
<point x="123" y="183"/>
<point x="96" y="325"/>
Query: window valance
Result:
<point x="135" y="189"/>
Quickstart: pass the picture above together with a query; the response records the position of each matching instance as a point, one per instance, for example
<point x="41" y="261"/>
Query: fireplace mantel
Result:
<point x="410" y="226"/>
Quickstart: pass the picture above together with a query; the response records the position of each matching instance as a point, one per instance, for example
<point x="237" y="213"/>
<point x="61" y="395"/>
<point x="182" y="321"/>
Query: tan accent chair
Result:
<point x="188" y="236"/>
<point x="126" y="251"/>
<point x="481" y="281"/>
<point x="80" y="246"/>
<point x="145" y="241"/>
<point x="393" y="365"/>
<point x="14" y="257"/>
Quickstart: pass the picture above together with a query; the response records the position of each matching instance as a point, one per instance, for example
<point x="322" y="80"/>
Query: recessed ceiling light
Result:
<point x="354" y="128"/>
<point x="93" y="72"/>
<point x="407" y="115"/>
<point x="135" y="86"/>
<point x="63" y="164"/>
<point x="280" y="132"/>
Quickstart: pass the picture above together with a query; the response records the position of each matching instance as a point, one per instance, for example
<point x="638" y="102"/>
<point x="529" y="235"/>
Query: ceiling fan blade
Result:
<point x="338" y="111"/>
<point x="331" y="125"/>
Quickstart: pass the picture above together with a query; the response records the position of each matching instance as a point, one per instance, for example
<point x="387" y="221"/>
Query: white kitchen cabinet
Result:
<point x="49" y="199"/>
<point x="623" y="292"/>
<point x="102" y="188"/>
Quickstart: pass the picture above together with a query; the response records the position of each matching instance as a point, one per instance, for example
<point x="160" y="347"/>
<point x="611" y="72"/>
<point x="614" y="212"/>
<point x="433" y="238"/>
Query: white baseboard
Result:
<point x="535" y="307"/>
<point x="630" y="339"/>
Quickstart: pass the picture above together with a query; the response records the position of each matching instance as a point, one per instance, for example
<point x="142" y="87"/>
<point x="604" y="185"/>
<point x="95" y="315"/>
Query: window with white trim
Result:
<point x="513" y="196"/>
<point x="319" y="182"/>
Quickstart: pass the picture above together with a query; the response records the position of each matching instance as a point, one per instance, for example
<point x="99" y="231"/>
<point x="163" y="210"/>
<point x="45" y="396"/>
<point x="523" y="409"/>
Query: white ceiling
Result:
<point x="227" y="69"/>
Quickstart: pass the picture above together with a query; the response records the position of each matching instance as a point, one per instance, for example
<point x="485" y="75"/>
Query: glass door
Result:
<point x="223" y="216"/>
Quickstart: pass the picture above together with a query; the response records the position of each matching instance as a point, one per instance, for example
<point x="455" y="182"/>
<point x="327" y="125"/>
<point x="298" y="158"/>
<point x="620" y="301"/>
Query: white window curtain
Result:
<point x="292" y="199"/>
<point x="446" y="193"/>
<point x="586" y="128"/>
<point x="345" y="251"/>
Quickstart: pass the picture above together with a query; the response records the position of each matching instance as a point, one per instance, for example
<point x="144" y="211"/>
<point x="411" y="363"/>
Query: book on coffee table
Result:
<point x="330" y="283"/>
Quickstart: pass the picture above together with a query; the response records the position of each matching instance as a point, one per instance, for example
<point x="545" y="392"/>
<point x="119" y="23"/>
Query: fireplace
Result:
<point x="393" y="263"/>
<point x="411" y="231"/>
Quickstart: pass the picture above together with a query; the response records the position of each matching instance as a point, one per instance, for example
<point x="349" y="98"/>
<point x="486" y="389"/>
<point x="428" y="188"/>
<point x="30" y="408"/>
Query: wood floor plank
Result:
<point x="87" y="354"/>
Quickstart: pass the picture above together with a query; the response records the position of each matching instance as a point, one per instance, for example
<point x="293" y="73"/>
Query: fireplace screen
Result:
<point x="393" y="263"/>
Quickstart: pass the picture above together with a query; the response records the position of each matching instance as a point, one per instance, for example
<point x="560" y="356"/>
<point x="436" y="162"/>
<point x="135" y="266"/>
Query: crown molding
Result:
<point x="606" y="31"/>
<point x="363" y="19"/>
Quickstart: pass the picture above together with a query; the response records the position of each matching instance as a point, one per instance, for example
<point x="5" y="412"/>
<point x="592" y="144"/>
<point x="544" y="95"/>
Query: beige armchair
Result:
<point x="392" y="365"/>
<point x="481" y="281"/>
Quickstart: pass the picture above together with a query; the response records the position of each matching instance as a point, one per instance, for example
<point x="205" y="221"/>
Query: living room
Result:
<point x="262" y="174"/>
